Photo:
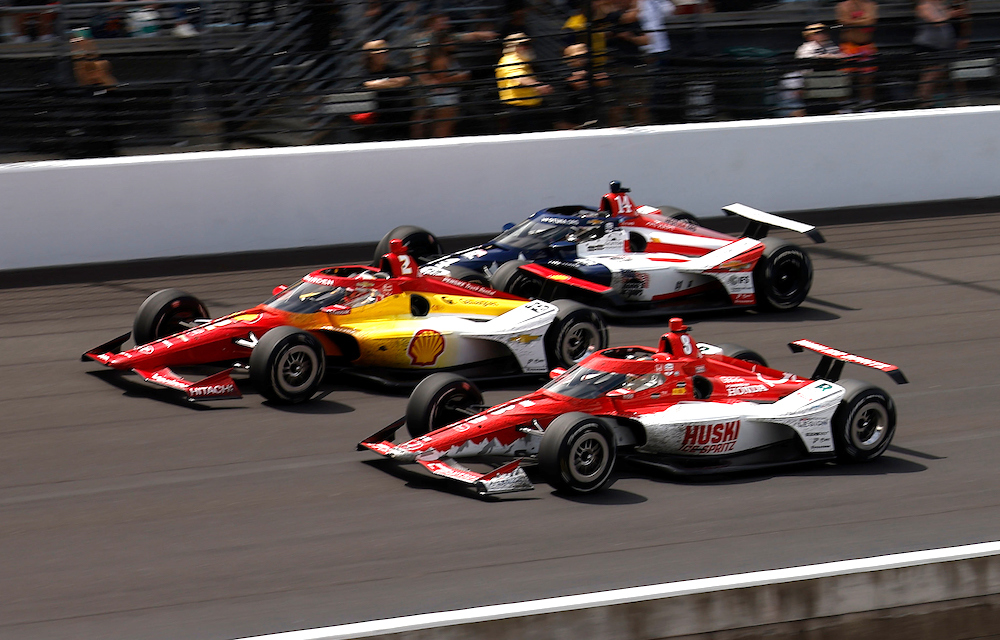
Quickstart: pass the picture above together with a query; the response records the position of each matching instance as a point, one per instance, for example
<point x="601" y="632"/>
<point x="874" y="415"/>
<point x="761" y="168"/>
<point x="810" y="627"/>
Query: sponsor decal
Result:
<point x="212" y="390"/>
<point x="537" y="307"/>
<point x="562" y="221"/>
<point x="678" y="391"/>
<point x="248" y="318"/>
<point x="425" y="347"/>
<point x="471" y="286"/>
<point x="326" y="282"/>
<point x="846" y="357"/>
<point x="558" y="276"/>
<point x="745" y="389"/>
<point x="475" y="253"/>
<point x="710" y="438"/>
<point x="167" y="382"/>
<point x="145" y="349"/>
<point x="524" y="338"/>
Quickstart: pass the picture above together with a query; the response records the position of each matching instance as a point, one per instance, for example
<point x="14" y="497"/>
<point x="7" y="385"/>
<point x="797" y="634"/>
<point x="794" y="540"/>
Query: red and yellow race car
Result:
<point x="355" y="318"/>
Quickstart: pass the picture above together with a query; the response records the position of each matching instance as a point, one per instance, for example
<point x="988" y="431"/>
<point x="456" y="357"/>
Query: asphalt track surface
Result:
<point x="126" y="515"/>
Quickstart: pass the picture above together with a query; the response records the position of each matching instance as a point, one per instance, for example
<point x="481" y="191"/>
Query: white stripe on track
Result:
<point x="636" y="594"/>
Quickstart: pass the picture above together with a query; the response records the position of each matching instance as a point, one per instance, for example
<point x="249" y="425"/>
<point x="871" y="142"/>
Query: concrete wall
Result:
<point x="945" y="594"/>
<point x="68" y="212"/>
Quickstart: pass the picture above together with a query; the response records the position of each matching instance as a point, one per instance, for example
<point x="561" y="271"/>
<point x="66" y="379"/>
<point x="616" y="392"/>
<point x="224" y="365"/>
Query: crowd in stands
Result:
<point x="431" y="66"/>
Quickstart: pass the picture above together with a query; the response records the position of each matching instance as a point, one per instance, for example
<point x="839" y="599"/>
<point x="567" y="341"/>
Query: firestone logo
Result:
<point x="710" y="438"/>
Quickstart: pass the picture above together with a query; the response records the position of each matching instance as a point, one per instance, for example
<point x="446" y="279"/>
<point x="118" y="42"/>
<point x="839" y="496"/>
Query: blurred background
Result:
<point x="93" y="79"/>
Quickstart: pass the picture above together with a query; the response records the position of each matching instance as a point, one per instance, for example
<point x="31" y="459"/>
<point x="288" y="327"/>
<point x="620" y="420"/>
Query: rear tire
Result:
<point x="287" y="365"/>
<point x="864" y="423"/>
<point x="162" y="314"/>
<point x="420" y="243"/>
<point x="742" y="353"/>
<point x="439" y="400"/>
<point x="577" y="453"/>
<point x="571" y="335"/>
<point x="680" y="214"/>
<point x="783" y="275"/>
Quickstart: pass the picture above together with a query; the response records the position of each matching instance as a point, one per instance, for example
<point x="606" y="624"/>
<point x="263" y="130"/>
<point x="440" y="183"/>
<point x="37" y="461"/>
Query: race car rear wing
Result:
<point x="832" y="363"/>
<point x="761" y="222"/>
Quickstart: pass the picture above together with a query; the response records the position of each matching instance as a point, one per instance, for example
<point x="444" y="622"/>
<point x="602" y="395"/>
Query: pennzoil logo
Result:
<point x="425" y="347"/>
<point x="558" y="276"/>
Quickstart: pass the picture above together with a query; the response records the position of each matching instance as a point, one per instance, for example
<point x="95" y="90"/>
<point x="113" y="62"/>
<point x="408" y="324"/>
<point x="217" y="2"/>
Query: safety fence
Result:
<point x="249" y="73"/>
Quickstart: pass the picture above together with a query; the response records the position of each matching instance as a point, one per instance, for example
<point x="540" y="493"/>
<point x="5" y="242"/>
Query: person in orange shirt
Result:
<point x="857" y="41"/>
<point x="521" y="93"/>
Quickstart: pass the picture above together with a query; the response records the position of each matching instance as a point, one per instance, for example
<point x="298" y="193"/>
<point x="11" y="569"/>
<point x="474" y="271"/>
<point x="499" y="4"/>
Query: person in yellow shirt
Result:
<point x="521" y="93"/>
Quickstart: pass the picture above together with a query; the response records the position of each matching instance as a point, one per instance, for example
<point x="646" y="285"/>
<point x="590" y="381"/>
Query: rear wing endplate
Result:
<point x="832" y="363"/>
<point x="761" y="222"/>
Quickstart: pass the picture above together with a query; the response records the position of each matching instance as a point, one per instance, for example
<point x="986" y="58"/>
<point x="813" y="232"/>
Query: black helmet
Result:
<point x="616" y="187"/>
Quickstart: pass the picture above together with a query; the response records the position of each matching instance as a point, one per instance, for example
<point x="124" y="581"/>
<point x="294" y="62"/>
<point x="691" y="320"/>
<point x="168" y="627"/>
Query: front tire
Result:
<point x="510" y="279"/>
<point x="165" y="313"/>
<point x="439" y="400"/>
<point x="578" y="453"/>
<point x="864" y="423"/>
<point x="469" y="275"/>
<point x="783" y="275"/>
<point x="420" y="243"/>
<point x="287" y="365"/>
<point x="575" y="332"/>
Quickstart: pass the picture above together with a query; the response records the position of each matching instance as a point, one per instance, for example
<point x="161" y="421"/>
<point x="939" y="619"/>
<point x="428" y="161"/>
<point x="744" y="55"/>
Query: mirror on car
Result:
<point x="278" y="289"/>
<point x="555" y="373"/>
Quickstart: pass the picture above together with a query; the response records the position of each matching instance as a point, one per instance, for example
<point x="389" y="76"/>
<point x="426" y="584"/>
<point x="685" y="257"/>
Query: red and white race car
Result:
<point x="683" y="407"/>
<point x="630" y="260"/>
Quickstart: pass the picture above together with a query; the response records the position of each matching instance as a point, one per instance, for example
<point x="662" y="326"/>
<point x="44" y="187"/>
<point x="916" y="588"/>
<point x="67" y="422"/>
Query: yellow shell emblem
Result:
<point x="558" y="277"/>
<point x="425" y="347"/>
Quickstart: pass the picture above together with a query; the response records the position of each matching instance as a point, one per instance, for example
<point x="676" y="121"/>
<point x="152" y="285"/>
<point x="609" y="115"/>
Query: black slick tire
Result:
<point x="864" y="423"/>
<point x="420" y="243"/>
<point x="165" y="313"/>
<point x="574" y="334"/>
<point x="783" y="276"/>
<point x="577" y="453"/>
<point x="287" y="365"/>
<point x="439" y="400"/>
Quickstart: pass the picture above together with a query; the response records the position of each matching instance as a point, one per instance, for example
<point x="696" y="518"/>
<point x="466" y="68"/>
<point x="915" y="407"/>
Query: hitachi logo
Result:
<point x="710" y="438"/>
<point x="212" y="390"/>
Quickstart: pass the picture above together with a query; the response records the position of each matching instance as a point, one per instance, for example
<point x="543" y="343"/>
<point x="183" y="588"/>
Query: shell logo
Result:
<point x="425" y="347"/>
<point x="558" y="277"/>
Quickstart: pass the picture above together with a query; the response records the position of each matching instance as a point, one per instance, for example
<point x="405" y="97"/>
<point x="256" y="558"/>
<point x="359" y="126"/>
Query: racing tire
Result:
<point x="164" y="313"/>
<point x="574" y="334"/>
<point x="742" y="353"/>
<point x="636" y="242"/>
<point x="439" y="400"/>
<point x="510" y="279"/>
<point x="287" y="365"/>
<point x="782" y="276"/>
<point x="469" y="275"/>
<point x="420" y="243"/>
<point x="864" y="423"/>
<point x="680" y="214"/>
<point x="577" y="453"/>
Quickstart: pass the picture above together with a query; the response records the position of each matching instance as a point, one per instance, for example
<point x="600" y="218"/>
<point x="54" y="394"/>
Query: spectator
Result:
<point x="935" y="36"/>
<point x="817" y="46"/>
<point x="628" y="69"/>
<point x="98" y="136"/>
<point x="575" y="88"/>
<point x="392" y="96"/>
<point x="652" y="17"/>
<point x="109" y="22"/>
<point x="444" y="93"/>
<point x="520" y="91"/>
<point x="33" y="26"/>
<point x="961" y="22"/>
<point x="857" y="41"/>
